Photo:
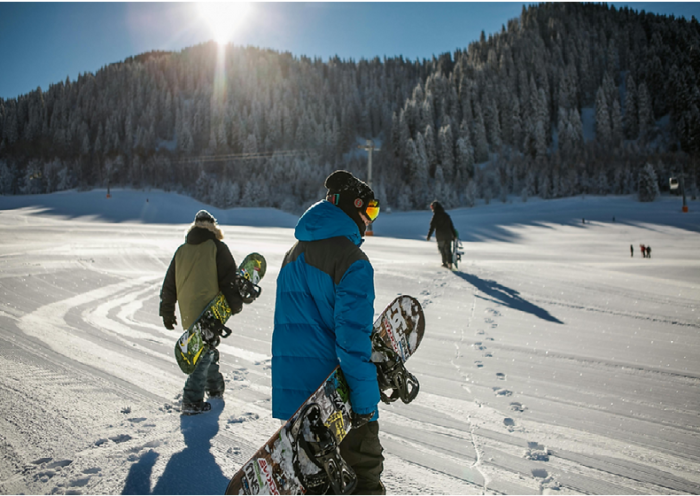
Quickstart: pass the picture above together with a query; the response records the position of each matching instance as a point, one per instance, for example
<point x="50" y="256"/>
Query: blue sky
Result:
<point x="43" y="43"/>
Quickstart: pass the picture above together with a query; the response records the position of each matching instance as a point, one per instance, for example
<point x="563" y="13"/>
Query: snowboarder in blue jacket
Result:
<point x="323" y="318"/>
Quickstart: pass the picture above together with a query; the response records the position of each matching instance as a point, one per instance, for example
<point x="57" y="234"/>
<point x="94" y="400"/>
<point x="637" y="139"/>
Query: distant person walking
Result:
<point x="648" y="251"/>
<point x="445" y="232"/>
<point x="644" y="251"/>
<point x="631" y="250"/>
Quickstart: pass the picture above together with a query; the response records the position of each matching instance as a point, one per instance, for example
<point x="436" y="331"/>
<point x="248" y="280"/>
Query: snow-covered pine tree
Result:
<point x="6" y="178"/>
<point x="481" y="146"/>
<point x="493" y="126"/>
<point x="602" y="184"/>
<point x="616" y="130"/>
<point x="648" y="185"/>
<point x="464" y="158"/>
<point x="470" y="193"/>
<point x="439" y="184"/>
<point x="644" y="110"/>
<point x="404" y="200"/>
<point x="603" y="132"/>
<point x="631" y="116"/>
<point x="564" y="129"/>
<point x="412" y="161"/>
<point x="422" y="172"/>
<point x="446" y="152"/>
<point x="430" y="149"/>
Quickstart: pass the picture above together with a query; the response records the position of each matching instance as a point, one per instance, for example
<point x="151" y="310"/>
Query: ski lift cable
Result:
<point x="247" y="156"/>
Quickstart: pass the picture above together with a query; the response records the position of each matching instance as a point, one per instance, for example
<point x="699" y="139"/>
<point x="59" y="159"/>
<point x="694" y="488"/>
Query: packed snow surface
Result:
<point x="553" y="360"/>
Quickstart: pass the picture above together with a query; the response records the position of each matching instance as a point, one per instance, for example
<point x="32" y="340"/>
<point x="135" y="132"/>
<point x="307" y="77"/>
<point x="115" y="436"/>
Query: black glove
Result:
<point x="360" y="420"/>
<point x="169" y="321"/>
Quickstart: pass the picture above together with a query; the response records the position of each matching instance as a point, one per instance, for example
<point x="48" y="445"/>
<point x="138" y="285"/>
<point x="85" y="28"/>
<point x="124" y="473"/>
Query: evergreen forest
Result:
<point x="567" y="99"/>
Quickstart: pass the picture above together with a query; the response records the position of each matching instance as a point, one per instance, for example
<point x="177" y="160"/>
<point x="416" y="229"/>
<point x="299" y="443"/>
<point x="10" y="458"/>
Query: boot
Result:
<point x="195" y="408"/>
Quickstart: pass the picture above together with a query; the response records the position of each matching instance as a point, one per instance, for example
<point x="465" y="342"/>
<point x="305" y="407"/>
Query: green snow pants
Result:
<point x="206" y="377"/>
<point x="362" y="450"/>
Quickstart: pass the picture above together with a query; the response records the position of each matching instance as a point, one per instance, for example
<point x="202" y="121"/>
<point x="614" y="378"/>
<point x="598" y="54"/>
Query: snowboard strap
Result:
<point x="323" y="452"/>
<point x="212" y="329"/>
<point x="392" y="376"/>
<point x="248" y="290"/>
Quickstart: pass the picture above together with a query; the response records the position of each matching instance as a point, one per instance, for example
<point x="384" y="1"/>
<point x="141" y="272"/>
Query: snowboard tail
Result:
<point x="395" y="337"/>
<point x="303" y="455"/>
<point x="456" y="252"/>
<point x="210" y="325"/>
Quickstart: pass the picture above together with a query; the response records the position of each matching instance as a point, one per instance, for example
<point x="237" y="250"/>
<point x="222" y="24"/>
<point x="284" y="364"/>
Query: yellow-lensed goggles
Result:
<point x="372" y="210"/>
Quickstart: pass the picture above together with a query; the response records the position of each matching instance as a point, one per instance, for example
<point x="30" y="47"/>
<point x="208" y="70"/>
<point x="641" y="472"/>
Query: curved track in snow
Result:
<point x="560" y="373"/>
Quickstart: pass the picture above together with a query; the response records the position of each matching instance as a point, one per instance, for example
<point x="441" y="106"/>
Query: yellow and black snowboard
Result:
<point x="194" y="342"/>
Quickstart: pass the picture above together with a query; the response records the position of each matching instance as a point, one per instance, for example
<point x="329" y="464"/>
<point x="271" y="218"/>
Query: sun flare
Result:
<point x="223" y="18"/>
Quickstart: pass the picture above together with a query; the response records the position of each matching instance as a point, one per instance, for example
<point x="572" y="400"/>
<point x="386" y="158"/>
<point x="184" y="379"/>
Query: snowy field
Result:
<point x="553" y="362"/>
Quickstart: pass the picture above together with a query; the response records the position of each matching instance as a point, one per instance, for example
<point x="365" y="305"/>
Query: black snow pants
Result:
<point x="362" y="450"/>
<point x="445" y="248"/>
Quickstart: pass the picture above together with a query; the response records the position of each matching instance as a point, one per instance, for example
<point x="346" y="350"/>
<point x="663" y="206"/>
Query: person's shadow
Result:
<point x="191" y="471"/>
<point x="509" y="297"/>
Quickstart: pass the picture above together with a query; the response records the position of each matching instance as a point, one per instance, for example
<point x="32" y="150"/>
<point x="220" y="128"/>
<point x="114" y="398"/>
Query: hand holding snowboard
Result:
<point x="303" y="455"/>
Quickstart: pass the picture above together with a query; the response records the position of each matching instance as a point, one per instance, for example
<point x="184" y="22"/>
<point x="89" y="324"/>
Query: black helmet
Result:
<point x="351" y="195"/>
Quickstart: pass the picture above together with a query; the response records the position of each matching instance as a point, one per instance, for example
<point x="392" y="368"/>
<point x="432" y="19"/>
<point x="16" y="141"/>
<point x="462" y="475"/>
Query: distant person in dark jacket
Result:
<point x="631" y="250"/>
<point x="445" y="232"/>
<point x="648" y="251"/>
<point x="324" y="315"/>
<point x="201" y="267"/>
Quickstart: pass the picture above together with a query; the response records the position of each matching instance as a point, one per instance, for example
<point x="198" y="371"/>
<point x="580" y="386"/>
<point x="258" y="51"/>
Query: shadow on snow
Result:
<point x="191" y="471"/>
<point x="506" y="296"/>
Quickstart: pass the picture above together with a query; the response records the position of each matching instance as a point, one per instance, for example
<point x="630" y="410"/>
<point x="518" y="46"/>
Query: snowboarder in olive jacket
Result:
<point x="445" y="232"/>
<point x="201" y="267"/>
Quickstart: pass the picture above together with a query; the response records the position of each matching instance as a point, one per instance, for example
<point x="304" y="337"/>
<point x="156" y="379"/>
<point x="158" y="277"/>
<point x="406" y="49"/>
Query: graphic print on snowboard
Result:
<point x="303" y="455"/>
<point x="194" y="342"/>
<point x="456" y="252"/>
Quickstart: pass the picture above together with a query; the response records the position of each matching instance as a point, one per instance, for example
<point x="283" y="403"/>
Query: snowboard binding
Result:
<point x="394" y="380"/>
<point x="322" y="450"/>
<point x="213" y="329"/>
<point x="248" y="290"/>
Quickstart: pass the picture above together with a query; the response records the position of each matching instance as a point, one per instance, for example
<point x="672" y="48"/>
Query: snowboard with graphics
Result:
<point x="303" y="456"/>
<point x="194" y="342"/>
<point x="456" y="252"/>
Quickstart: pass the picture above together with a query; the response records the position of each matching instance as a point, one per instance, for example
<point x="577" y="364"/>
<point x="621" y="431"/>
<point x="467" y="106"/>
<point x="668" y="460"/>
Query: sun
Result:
<point x="223" y="18"/>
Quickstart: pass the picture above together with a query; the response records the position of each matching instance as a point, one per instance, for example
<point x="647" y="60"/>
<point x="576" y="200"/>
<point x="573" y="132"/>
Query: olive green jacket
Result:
<point x="200" y="268"/>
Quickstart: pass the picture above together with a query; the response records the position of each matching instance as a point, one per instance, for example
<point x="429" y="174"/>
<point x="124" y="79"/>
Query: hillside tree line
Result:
<point x="567" y="99"/>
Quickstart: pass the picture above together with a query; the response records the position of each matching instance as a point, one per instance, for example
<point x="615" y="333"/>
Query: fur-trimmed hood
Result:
<point x="213" y="228"/>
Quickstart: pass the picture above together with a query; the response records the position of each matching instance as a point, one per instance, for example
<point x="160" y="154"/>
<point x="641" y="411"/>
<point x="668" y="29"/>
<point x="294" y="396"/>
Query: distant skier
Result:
<point x="445" y="232"/>
<point x="644" y="250"/>
<point x="631" y="250"/>
<point x="200" y="268"/>
<point x="324" y="315"/>
<point x="648" y="251"/>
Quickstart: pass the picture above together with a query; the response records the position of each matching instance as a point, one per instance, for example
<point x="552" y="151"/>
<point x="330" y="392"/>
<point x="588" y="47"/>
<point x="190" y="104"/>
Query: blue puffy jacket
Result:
<point x="323" y="313"/>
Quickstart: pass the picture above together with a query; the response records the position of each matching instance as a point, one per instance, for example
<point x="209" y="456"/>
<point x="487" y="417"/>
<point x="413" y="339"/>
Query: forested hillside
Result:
<point x="570" y="98"/>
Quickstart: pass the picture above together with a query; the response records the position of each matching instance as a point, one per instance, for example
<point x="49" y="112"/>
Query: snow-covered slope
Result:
<point x="553" y="361"/>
